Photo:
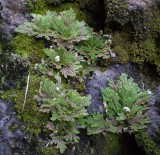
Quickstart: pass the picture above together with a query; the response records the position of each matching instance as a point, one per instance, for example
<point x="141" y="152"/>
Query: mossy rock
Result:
<point x="38" y="6"/>
<point x="42" y="6"/>
<point x="147" y="143"/>
<point x="116" y="10"/>
<point x="121" y="45"/>
<point x="24" y="44"/>
<point x="50" y="150"/>
<point x="80" y="15"/>
<point x="35" y="121"/>
<point x="140" y="52"/>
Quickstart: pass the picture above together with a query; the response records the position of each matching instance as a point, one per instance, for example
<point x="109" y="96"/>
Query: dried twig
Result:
<point x="25" y="97"/>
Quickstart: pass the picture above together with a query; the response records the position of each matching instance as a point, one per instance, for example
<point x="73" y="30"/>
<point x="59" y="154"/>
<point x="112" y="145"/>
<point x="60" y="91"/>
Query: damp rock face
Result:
<point x="154" y="113"/>
<point x="12" y="136"/>
<point x="12" y="14"/>
<point x="136" y="14"/>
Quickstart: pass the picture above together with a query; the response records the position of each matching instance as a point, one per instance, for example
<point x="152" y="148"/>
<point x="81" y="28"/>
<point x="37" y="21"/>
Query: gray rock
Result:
<point x="12" y="135"/>
<point x="13" y="13"/>
<point x="154" y="113"/>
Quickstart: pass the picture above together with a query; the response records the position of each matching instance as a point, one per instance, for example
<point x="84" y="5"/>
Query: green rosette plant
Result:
<point x="67" y="109"/>
<point x="60" y="28"/>
<point x="62" y="61"/>
<point x="125" y="105"/>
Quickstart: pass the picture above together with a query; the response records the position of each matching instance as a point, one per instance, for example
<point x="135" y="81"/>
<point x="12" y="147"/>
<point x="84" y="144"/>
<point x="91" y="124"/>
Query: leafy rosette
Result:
<point x="59" y="27"/>
<point x="125" y="105"/>
<point x="61" y="60"/>
<point x="67" y="109"/>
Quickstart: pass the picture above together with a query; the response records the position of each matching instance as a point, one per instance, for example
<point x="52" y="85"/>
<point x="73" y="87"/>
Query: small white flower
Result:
<point x="57" y="88"/>
<point x="113" y="54"/>
<point x="126" y="109"/>
<point x="51" y="46"/>
<point x="101" y="32"/>
<point x="54" y="99"/>
<point x="57" y="58"/>
<point x="149" y="92"/>
<point x="36" y="66"/>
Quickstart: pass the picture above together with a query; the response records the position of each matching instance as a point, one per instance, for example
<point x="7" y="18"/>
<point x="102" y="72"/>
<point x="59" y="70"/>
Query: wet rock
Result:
<point x="12" y="136"/>
<point x="13" y="13"/>
<point x="154" y="113"/>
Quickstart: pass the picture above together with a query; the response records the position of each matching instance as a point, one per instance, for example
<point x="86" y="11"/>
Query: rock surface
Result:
<point x="136" y="15"/>
<point x="154" y="113"/>
<point x="13" y="13"/>
<point x="12" y="136"/>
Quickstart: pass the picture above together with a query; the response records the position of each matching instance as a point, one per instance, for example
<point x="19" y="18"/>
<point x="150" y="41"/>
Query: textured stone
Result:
<point x="154" y="113"/>
<point x="135" y="15"/>
<point x="12" y="13"/>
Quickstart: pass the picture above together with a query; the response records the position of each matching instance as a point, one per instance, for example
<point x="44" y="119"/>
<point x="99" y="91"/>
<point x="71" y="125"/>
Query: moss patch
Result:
<point x="24" y="44"/>
<point x="34" y="120"/>
<point x="146" y="142"/>
<point x="42" y="6"/>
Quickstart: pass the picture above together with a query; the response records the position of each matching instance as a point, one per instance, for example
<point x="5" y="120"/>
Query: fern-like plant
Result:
<point x="67" y="109"/>
<point x="125" y="105"/>
<point x="65" y="62"/>
<point x="62" y="27"/>
<point x="94" y="48"/>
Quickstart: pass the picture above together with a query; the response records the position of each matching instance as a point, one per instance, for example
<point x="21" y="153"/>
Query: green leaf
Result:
<point x="95" y="123"/>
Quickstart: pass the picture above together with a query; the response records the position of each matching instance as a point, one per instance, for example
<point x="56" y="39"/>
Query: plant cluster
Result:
<point x="62" y="27"/>
<point x="125" y="105"/>
<point x="66" y="62"/>
<point x="67" y="109"/>
<point x="72" y="44"/>
<point x="65" y="33"/>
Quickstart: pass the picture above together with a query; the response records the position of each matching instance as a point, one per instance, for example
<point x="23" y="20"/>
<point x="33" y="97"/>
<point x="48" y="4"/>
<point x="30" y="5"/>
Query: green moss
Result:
<point x="119" y="15"/>
<point x="24" y="44"/>
<point x="66" y="6"/>
<point x="38" y="6"/>
<point x="144" y="51"/>
<point x="147" y="143"/>
<point x="113" y="144"/>
<point x="140" y="52"/>
<point x="50" y="150"/>
<point x="35" y="121"/>
<point x="14" y="128"/>
<point x="121" y="45"/>
<point x="42" y="6"/>
<point x="7" y="95"/>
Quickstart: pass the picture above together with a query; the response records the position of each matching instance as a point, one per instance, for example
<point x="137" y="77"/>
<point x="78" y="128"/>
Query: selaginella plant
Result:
<point x="94" y="48"/>
<point x="62" y="29"/>
<point x="60" y="60"/>
<point x="67" y="109"/>
<point x="125" y="105"/>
